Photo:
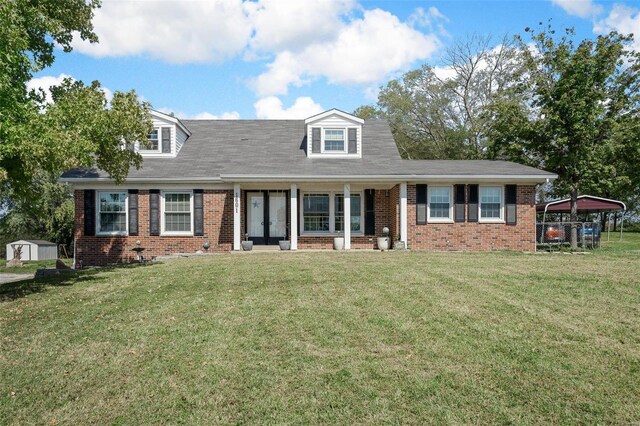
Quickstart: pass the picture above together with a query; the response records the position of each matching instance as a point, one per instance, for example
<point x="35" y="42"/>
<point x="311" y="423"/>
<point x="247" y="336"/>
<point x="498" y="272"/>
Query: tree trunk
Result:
<point x="574" y="218"/>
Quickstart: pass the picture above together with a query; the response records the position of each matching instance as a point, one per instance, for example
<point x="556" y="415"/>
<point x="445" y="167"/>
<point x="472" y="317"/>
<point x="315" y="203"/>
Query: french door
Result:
<point x="266" y="216"/>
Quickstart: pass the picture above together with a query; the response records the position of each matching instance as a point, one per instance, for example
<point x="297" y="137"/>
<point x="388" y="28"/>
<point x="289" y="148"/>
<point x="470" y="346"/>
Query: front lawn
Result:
<point x="329" y="338"/>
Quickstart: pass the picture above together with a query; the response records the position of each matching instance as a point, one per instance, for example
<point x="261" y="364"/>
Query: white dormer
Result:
<point x="334" y="134"/>
<point x="166" y="138"/>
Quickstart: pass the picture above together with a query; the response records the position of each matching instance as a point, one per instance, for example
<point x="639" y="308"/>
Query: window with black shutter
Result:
<point x="133" y="212"/>
<point x="460" y="203"/>
<point x="154" y="212"/>
<point x="198" y="212"/>
<point x="421" y="204"/>
<point x="370" y="211"/>
<point x="89" y="212"/>
<point x="472" y="214"/>
<point x="511" y="203"/>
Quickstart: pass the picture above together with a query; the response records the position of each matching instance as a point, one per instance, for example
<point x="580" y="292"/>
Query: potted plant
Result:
<point x="383" y="242"/>
<point x="338" y="242"/>
<point x="246" y="244"/>
<point x="285" y="244"/>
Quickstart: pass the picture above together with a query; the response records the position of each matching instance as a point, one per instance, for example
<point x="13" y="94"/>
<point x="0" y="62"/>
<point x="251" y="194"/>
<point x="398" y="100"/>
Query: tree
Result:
<point x="80" y="129"/>
<point x="574" y="113"/>
<point x="438" y="113"/>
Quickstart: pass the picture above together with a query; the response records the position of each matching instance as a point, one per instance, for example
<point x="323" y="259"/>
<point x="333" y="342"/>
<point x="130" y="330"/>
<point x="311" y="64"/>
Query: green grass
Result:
<point x="31" y="266"/>
<point x="329" y="338"/>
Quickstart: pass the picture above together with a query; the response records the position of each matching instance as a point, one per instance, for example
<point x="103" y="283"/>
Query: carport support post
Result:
<point x="294" y="217"/>
<point x="403" y="213"/>
<point x="236" y="218"/>
<point x="347" y="216"/>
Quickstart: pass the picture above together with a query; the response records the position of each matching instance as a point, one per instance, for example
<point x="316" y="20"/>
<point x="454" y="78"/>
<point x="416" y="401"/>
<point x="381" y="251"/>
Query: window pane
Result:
<point x="356" y="214"/>
<point x="177" y="212"/>
<point x="316" y="212"/>
<point x="439" y="203"/>
<point x="153" y="141"/>
<point x="490" y="200"/>
<point x="112" y="212"/>
<point x="334" y="139"/>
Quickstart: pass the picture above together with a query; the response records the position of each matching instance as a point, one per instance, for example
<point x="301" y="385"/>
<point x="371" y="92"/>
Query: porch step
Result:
<point x="266" y="248"/>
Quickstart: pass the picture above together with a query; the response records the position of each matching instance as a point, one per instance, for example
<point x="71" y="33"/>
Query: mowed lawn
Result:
<point x="308" y="337"/>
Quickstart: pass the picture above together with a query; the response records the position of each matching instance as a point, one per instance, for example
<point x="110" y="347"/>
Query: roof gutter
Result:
<point x="384" y="178"/>
<point x="143" y="180"/>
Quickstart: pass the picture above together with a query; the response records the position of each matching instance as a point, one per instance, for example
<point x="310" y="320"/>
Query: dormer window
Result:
<point x="333" y="140"/>
<point x="334" y="134"/>
<point x="153" y="144"/>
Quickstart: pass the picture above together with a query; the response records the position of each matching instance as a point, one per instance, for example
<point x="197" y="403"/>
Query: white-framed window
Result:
<point x="323" y="213"/>
<point x="177" y="213"/>
<point x="334" y="140"/>
<point x="316" y="212"/>
<point x="153" y="141"/>
<point x="491" y="204"/>
<point x="439" y="203"/>
<point x="356" y="213"/>
<point x="111" y="213"/>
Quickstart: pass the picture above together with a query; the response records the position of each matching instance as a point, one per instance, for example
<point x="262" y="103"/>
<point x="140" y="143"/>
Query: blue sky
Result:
<point x="293" y="58"/>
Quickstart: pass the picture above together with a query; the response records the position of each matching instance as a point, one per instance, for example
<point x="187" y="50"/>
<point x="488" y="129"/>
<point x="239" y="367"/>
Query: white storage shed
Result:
<point x="34" y="250"/>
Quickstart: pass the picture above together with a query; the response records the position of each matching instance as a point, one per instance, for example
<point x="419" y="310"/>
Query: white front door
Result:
<point x="255" y="215"/>
<point x="277" y="215"/>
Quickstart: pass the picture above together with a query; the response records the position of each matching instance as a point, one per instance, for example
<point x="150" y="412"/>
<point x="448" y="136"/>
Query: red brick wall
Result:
<point x="474" y="235"/>
<point x="101" y="250"/>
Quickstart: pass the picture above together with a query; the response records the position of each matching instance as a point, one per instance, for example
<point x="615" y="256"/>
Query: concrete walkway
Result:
<point x="10" y="278"/>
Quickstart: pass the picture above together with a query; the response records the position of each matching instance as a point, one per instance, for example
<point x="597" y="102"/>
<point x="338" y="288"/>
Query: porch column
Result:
<point x="347" y="216"/>
<point x="294" y="216"/>
<point x="237" y="221"/>
<point x="403" y="213"/>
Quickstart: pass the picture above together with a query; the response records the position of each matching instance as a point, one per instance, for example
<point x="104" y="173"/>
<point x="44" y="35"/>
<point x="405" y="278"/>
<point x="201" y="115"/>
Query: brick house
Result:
<point x="209" y="184"/>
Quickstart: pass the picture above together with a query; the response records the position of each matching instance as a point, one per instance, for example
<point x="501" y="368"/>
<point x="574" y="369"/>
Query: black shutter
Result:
<point x="154" y="212"/>
<point x="460" y="200"/>
<point x="370" y="212"/>
<point x="473" y="204"/>
<point x="133" y="212"/>
<point x="353" y="141"/>
<point x="166" y="140"/>
<point x="315" y="140"/>
<point x="421" y="204"/>
<point x="511" y="202"/>
<point x="89" y="212"/>
<point x="198" y="212"/>
<point x="300" y="207"/>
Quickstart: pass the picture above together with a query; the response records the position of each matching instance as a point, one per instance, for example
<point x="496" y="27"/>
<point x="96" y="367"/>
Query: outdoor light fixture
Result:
<point x="206" y="245"/>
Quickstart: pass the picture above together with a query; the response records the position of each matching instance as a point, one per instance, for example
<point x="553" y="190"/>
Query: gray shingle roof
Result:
<point x="277" y="147"/>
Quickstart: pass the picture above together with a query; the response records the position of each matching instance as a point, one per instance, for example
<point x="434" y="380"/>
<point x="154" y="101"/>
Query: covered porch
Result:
<point x="311" y="214"/>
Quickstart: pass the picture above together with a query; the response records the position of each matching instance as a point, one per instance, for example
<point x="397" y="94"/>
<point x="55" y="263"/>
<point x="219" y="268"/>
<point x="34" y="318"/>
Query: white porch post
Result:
<point x="347" y="216"/>
<point x="294" y="216"/>
<point x="237" y="221"/>
<point x="403" y="213"/>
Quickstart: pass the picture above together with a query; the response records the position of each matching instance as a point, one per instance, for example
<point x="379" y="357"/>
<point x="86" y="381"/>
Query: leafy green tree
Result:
<point x="80" y="129"/>
<point x="438" y="113"/>
<point x="574" y="113"/>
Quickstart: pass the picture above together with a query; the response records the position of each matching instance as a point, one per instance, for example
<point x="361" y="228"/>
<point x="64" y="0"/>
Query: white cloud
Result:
<point x="623" y="19"/>
<point x="173" y="31"/>
<point x="430" y="18"/>
<point x="271" y="107"/>
<point x="294" y="24"/>
<point x="581" y="8"/>
<point x="45" y="83"/>
<point x="364" y="52"/>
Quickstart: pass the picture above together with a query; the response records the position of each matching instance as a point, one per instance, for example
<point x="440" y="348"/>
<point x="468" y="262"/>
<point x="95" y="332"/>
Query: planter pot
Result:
<point x="285" y="245"/>
<point x="338" y="243"/>
<point x="247" y="245"/>
<point x="383" y="243"/>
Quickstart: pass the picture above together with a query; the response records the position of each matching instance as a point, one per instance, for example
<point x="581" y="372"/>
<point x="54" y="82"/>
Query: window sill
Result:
<point x="440" y="221"/>
<point x="491" y="221"/>
<point x="176" y="234"/>
<point x="111" y="234"/>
